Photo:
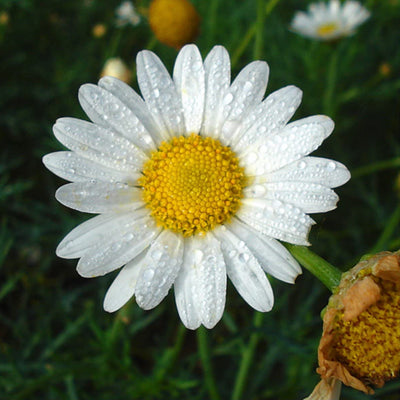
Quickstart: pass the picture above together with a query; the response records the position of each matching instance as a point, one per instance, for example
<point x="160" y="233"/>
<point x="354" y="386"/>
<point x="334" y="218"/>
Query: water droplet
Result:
<point x="232" y="253"/>
<point x="331" y="166"/>
<point x="128" y="236"/>
<point x="156" y="254"/>
<point x="228" y="99"/>
<point x="243" y="257"/>
<point x="148" y="274"/>
<point x="301" y="164"/>
<point x="156" y="93"/>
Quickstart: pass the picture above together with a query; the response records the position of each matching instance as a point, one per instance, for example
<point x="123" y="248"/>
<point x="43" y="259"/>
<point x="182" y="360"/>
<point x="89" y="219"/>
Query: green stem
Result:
<point x="247" y="358"/>
<point x="205" y="356"/>
<point x="258" y="42"/>
<point x="328" y="98"/>
<point x="390" y="227"/>
<point x="321" y="269"/>
<point x="375" y="167"/>
<point x="171" y="354"/>
<point x="212" y="22"/>
<point x="243" y="44"/>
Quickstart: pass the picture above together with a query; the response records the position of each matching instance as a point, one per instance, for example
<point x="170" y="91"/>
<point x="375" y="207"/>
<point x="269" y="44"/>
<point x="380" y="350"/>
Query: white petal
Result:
<point x="190" y="85"/>
<point x="100" y="228"/>
<point x="295" y="141"/>
<point x="105" y="109"/>
<point x="310" y="197"/>
<point x="245" y="272"/>
<point x="246" y="91"/>
<point x="273" y="257"/>
<point x="75" y="168"/>
<point x="184" y="295"/>
<point x="100" y="197"/>
<point x="99" y="144"/>
<point x="123" y="286"/>
<point x="159" y="270"/>
<point x="204" y="270"/>
<point x="134" y="102"/>
<point x="312" y="169"/>
<point x="217" y="78"/>
<point x="276" y="219"/>
<point x="160" y="94"/>
<point x="87" y="234"/>
<point x="118" y="246"/>
<point x="268" y="117"/>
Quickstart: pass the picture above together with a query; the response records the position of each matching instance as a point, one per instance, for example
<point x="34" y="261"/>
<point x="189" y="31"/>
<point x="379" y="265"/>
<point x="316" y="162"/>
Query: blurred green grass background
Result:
<point x="56" y="342"/>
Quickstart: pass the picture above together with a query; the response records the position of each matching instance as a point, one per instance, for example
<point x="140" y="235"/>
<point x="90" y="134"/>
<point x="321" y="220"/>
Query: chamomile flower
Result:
<point x="193" y="184"/>
<point x="127" y="14"/>
<point x="329" y="21"/>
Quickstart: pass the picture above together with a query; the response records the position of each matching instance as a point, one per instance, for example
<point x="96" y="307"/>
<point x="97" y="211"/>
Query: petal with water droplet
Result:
<point x="190" y="85"/>
<point x="99" y="197"/>
<point x="160" y="268"/>
<point x="245" y="272"/>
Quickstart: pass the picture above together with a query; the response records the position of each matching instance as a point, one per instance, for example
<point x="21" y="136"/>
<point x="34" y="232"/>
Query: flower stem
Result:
<point x="328" y="98"/>
<point x="390" y="227"/>
<point x="321" y="269"/>
<point x="375" y="167"/>
<point x="258" y="42"/>
<point x="204" y="350"/>
<point x="247" y="357"/>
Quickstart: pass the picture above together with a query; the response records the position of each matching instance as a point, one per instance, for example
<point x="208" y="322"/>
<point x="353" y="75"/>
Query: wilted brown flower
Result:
<point x="360" y="344"/>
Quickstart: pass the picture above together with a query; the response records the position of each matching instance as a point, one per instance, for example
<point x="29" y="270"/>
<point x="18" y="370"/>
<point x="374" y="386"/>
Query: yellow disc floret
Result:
<point x="327" y="29"/>
<point x="174" y="22"/>
<point x="369" y="345"/>
<point x="192" y="184"/>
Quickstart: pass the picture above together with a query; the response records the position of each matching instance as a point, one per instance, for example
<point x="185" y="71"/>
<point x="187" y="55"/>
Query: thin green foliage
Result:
<point x="56" y="342"/>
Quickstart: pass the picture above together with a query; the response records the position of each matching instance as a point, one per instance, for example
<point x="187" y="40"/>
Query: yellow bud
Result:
<point x="174" y="22"/>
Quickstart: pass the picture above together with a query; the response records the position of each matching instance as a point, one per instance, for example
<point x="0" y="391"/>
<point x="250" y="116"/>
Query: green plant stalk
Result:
<point x="331" y="77"/>
<point x="321" y="269"/>
<point x="251" y="32"/>
<point x="375" y="167"/>
<point x="387" y="233"/>
<point x="205" y="356"/>
<point x="212" y="22"/>
<point x="247" y="358"/>
<point x="258" y="42"/>
<point x="171" y="354"/>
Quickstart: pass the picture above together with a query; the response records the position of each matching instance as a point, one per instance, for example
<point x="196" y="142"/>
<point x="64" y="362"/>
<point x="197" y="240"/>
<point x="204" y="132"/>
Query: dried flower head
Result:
<point x="174" y="22"/>
<point x="360" y="344"/>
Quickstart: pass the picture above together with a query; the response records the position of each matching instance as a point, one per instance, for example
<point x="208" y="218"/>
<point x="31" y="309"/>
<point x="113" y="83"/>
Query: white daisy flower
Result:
<point x="126" y="14"/>
<point x="328" y="21"/>
<point x="193" y="183"/>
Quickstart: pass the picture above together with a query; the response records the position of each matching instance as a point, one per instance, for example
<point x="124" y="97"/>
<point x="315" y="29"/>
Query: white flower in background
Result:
<point x="328" y="21"/>
<point x="192" y="184"/>
<point x="126" y="14"/>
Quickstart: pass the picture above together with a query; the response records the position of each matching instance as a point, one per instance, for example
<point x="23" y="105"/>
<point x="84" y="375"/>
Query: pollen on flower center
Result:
<point x="369" y="345"/>
<point x="191" y="184"/>
<point x="327" y="29"/>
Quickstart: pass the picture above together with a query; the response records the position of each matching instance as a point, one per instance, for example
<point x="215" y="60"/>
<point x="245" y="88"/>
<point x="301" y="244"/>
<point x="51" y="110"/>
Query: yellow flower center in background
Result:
<point x="191" y="184"/>
<point x="327" y="29"/>
<point x="174" y="22"/>
<point x="369" y="345"/>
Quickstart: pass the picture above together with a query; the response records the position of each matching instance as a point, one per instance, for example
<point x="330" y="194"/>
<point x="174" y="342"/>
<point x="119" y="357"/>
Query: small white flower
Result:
<point x="126" y="14"/>
<point x="193" y="184"/>
<point x="328" y="21"/>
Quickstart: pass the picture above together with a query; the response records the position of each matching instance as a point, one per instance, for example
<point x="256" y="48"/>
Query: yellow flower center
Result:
<point x="191" y="184"/>
<point x="174" y="22"/>
<point x="327" y="29"/>
<point x="369" y="345"/>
